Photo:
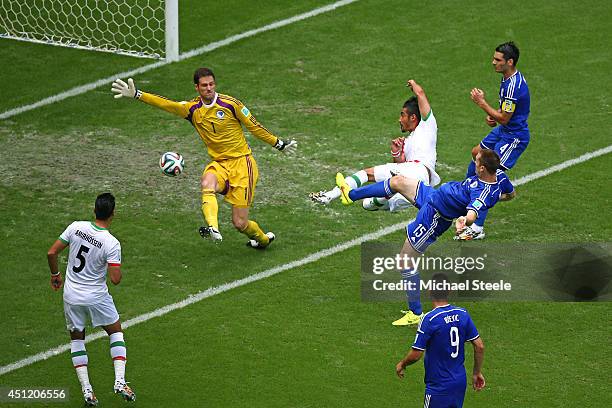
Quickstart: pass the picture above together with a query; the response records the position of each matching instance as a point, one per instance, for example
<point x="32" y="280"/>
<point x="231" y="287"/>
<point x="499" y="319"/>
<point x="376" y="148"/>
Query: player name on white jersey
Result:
<point x="88" y="238"/>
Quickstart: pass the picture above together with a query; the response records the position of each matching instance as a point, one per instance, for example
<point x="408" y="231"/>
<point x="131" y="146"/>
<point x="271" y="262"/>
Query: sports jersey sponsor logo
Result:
<point x="477" y="204"/>
<point x="508" y="106"/>
<point x="245" y="111"/>
<point x="220" y="114"/>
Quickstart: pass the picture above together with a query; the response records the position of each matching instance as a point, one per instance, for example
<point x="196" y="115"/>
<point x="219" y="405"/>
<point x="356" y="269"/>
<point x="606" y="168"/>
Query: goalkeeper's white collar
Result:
<point x="212" y="103"/>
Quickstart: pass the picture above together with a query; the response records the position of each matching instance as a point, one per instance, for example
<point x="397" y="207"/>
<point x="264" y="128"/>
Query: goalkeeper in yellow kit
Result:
<point x="218" y="119"/>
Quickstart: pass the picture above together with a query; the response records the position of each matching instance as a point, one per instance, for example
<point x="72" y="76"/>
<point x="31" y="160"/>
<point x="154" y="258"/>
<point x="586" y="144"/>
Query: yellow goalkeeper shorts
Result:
<point x="237" y="177"/>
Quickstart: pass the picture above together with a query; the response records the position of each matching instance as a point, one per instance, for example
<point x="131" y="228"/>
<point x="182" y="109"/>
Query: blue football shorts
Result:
<point x="444" y="401"/>
<point x="508" y="145"/>
<point x="428" y="224"/>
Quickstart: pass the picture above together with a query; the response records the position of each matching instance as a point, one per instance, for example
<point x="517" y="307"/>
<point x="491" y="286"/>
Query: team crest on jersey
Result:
<point x="474" y="184"/>
<point x="245" y="111"/>
<point x="220" y="114"/>
<point x="477" y="204"/>
<point x="508" y="106"/>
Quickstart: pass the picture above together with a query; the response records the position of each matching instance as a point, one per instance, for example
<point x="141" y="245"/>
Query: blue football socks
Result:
<point x="380" y="189"/>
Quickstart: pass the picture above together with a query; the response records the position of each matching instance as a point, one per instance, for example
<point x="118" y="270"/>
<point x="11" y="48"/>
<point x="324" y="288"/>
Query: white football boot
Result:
<point x="320" y="198"/>
<point x="124" y="391"/>
<point x="251" y="243"/>
<point x="90" y="397"/>
<point x="469" y="234"/>
<point x="212" y="233"/>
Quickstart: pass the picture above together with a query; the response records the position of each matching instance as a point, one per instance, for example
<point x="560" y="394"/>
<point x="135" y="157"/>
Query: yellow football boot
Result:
<point x="344" y="189"/>
<point x="409" y="319"/>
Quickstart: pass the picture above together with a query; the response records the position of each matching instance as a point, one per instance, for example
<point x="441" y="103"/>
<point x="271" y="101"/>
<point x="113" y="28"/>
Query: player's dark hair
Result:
<point x="510" y="51"/>
<point x="412" y="106"/>
<point x="201" y="73"/>
<point x="490" y="160"/>
<point x="105" y="206"/>
<point x="442" y="293"/>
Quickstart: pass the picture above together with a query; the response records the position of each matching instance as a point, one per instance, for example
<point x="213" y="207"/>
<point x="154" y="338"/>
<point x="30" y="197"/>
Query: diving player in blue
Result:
<point x="437" y="209"/>
<point x="510" y="135"/>
<point x="443" y="333"/>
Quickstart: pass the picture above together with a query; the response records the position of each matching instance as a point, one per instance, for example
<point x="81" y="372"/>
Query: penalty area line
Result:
<point x="188" y="54"/>
<point x="216" y="290"/>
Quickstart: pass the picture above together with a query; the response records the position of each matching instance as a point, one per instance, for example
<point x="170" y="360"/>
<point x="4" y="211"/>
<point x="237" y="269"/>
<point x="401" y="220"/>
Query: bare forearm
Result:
<point x="507" y="197"/>
<point x="478" y="360"/>
<point x="52" y="260"/>
<point x="412" y="357"/>
<point x="494" y="113"/>
<point x="470" y="218"/>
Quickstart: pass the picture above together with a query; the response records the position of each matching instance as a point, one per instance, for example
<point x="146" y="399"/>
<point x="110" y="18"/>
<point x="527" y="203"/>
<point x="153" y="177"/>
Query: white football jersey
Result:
<point x="421" y="145"/>
<point x="92" y="250"/>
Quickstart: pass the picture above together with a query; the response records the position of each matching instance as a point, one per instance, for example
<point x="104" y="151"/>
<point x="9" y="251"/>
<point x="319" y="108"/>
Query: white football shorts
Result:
<point x="409" y="169"/>
<point x="103" y="313"/>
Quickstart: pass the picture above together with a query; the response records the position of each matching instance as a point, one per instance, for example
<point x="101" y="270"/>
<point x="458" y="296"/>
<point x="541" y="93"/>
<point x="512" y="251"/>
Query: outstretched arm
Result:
<point x="418" y="91"/>
<point x="248" y="120"/>
<point x="128" y="90"/>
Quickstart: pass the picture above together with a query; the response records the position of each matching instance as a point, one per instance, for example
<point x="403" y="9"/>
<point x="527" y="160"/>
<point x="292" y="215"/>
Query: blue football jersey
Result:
<point x="514" y="98"/>
<point x="455" y="198"/>
<point x="442" y="335"/>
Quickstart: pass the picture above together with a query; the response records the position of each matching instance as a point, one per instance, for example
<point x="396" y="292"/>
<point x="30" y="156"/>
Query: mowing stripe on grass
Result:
<point x="215" y="290"/>
<point x="188" y="54"/>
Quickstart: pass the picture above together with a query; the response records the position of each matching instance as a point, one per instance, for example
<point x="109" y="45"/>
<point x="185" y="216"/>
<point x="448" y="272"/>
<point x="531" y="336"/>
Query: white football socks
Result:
<point x="118" y="353"/>
<point x="80" y="361"/>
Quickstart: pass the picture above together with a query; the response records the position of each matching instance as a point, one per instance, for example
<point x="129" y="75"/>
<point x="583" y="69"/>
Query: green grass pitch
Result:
<point x="335" y="83"/>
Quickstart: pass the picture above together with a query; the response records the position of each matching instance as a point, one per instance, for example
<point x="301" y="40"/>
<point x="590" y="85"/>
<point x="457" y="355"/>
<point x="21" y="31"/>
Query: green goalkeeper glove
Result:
<point x="125" y="90"/>
<point x="286" y="146"/>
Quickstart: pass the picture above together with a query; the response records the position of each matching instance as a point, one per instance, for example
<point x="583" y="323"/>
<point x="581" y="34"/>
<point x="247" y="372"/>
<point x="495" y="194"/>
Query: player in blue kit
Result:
<point x="510" y="135"/>
<point x="437" y="209"/>
<point x="443" y="333"/>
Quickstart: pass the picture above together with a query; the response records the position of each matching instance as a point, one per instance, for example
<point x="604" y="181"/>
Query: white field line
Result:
<point x="189" y="54"/>
<point x="215" y="290"/>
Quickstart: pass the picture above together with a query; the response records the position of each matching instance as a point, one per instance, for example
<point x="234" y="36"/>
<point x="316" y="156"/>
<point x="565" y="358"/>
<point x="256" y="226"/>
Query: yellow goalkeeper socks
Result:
<point x="210" y="208"/>
<point x="253" y="231"/>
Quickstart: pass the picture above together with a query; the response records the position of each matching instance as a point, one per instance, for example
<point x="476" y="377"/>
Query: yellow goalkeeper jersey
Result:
<point x="218" y="124"/>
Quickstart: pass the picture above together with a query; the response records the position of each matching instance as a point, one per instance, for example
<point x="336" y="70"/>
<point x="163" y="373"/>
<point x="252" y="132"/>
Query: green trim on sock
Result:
<point x="79" y="353"/>
<point x="118" y="344"/>
<point x="354" y="177"/>
<point x="376" y="202"/>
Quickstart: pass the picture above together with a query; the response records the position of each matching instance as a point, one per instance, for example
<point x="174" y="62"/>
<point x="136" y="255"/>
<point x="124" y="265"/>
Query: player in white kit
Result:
<point x="414" y="156"/>
<point x="93" y="253"/>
